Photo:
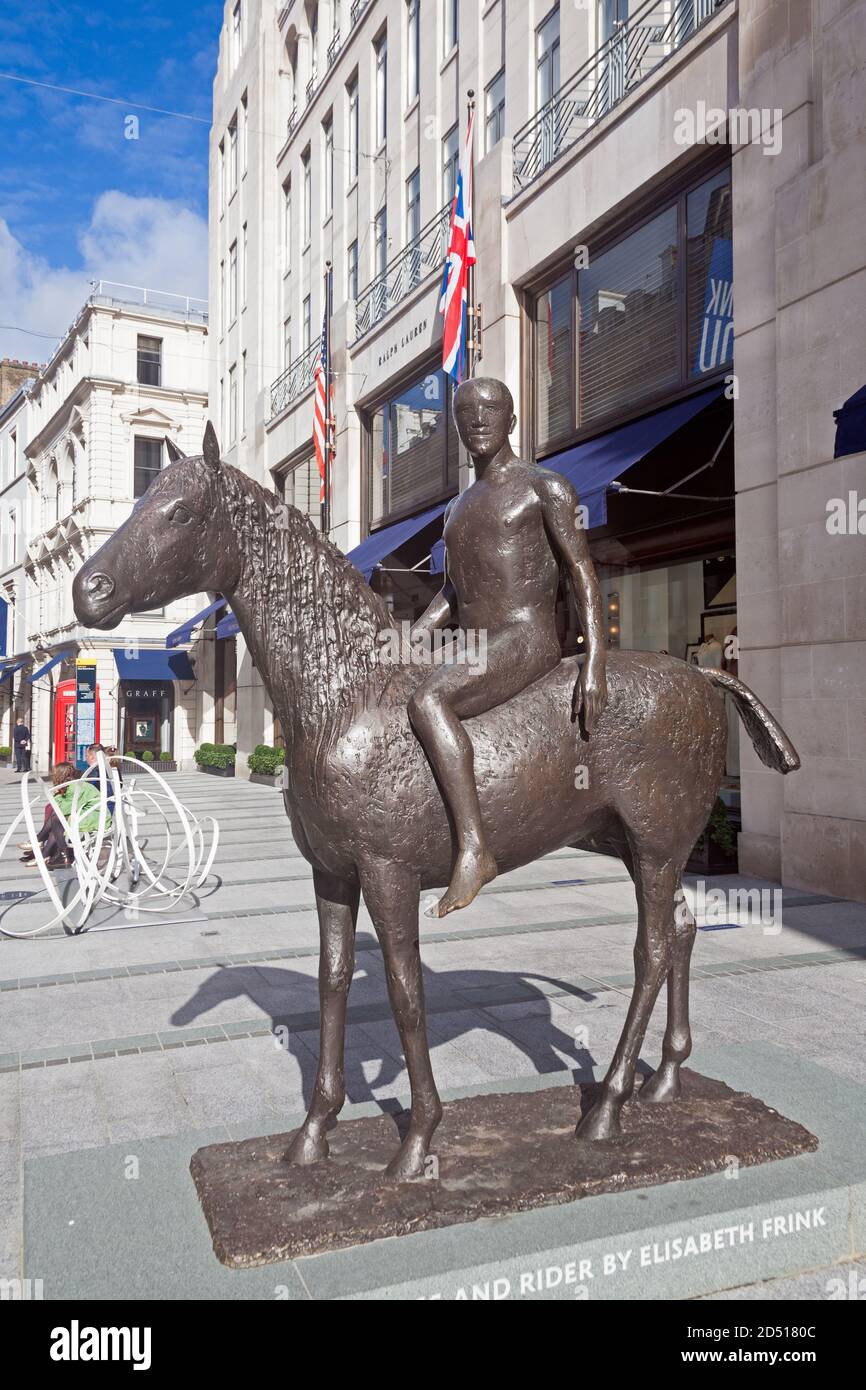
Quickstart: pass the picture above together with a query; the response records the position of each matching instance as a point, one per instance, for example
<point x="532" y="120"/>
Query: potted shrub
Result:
<point x="165" y="762"/>
<point x="716" y="850"/>
<point x="266" y="765"/>
<point x="216" y="758"/>
<point x="6" y="754"/>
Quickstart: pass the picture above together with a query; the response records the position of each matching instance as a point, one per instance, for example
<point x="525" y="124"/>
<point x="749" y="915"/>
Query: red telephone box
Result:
<point x="64" y="722"/>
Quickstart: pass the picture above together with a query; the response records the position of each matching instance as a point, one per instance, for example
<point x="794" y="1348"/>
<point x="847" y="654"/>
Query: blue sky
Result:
<point x="78" y="200"/>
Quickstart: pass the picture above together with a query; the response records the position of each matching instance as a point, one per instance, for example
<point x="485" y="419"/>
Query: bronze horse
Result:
<point x="364" y="806"/>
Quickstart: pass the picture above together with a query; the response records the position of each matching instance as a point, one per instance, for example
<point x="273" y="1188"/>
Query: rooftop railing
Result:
<point x="637" y="46"/>
<point x="295" y="379"/>
<point x="424" y="253"/>
<point x="357" y="9"/>
<point x="334" y="48"/>
<point x="119" y="293"/>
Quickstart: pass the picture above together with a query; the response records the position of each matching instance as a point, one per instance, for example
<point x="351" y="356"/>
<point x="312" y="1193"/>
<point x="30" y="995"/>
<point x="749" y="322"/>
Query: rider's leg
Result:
<point x="514" y="659"/>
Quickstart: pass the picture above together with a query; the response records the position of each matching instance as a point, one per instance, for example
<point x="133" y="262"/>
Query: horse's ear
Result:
<point x="210" y="447"/>
<point x="174" y="453"/>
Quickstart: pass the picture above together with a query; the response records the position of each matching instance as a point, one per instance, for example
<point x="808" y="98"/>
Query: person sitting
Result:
<point x="79" y="802"/>
<point x="91" y="774"/>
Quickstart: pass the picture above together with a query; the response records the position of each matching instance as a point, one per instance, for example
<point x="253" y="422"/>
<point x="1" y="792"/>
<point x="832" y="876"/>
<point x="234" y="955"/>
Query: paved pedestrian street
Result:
<point x="128" y="1047"/>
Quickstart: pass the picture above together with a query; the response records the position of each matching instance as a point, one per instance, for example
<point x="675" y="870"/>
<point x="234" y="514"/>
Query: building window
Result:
<point x="547" y="59"/>
<point x="147" y="463"/>
<point x="243" y="393"/>
<point x="352" y="271"/>
<point x="221" y="177"/>
<point x="308" y="196"/>
<point x="245" y="133"/>
<point x="450" y="163"/>
<point x="354" y="128"/>
<point x="381" y="50"/>
<point x="301" y="488"/>
<point x="644" y="329"/>
<point x="223" y="306"/>
<point x="237" y="33"/>
<point x="149" y="361"/>
<point x="306" y="325"/>
<point x="244" y="265"/>
<point x="233" y="282"/>
<point x="380" y="241"/>
<point x="233" y="404"/>
<point x="314" y="45"/>
<point x="554" y="359"/>
<point x="287" y="343"/>
<point x="413" y="225"/>
<point x="413" y="49"/>
<point x="494" y="111"/>
<point x="287" y="227"/>
<point x="233" y="157"/>
<point x="328" y="132"/>
<point x="413" y="448"/>
<point x="451" y="25"/>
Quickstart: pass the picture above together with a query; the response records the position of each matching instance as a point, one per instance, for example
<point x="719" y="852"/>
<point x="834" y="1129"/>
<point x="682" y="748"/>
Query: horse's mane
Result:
<point x="311" y="602"/>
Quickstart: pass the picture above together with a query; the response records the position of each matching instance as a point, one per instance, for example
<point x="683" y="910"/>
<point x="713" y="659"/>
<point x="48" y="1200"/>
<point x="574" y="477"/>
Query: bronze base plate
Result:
<point x="495" y="1154"/>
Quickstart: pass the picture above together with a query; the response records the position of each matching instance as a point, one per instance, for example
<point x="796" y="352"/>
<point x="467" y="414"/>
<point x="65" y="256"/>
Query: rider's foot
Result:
<point x="473" y="869"/>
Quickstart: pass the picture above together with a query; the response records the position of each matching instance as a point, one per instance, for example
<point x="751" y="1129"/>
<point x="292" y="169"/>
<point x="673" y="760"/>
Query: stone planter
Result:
<point x="217" y="771"/>
<point x="711" y="859"/>
<point x="266" y="779"/>
<point x="168" y="766"/>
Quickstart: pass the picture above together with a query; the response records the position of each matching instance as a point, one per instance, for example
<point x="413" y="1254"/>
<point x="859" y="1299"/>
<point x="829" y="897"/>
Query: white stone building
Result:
<point x="630" y="155"/>
<point x="15" y="689"/>
<point x="130" y="373"/>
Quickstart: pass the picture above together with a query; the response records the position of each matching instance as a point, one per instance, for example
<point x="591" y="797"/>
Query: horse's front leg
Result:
<point x="392" y="894"/>
<point x="337" y="904"/>
<point x="653" y="954"/>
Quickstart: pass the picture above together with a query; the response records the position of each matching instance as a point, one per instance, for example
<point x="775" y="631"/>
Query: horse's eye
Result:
<point x="181" y="514"/>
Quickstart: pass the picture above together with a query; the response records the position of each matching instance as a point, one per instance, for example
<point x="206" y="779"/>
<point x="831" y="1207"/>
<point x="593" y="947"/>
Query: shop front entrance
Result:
<point x="146" y="717"/>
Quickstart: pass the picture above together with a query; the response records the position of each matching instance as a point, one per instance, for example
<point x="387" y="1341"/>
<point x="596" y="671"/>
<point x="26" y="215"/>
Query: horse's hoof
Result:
<point x="598" y="1124"/>
<point x="661" y="1087"/>
<point x="305" y="1148"/>
<point x="409" y="1161"/>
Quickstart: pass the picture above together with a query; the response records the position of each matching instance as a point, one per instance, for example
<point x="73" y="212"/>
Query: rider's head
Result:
<point x="484" y="415"/>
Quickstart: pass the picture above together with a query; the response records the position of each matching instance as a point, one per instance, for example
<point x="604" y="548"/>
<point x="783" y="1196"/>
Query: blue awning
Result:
<point x="153" y="664"/>
<point x="48" y="665"/>
<point x="592" y="466"/>
<point x="10" y="670"/>
<point x="227" y="627"/>
<point x="437" y="557"/>
<point x="373" y="550"/>
<point x="184" y="632"/>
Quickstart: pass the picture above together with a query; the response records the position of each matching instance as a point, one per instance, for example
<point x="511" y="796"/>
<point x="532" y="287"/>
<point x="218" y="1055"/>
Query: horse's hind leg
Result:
<point x="337" y="905"/>
<point x="656" y="885"/>
<point x="392" y="894"/>
<point x="664" y="1084"/>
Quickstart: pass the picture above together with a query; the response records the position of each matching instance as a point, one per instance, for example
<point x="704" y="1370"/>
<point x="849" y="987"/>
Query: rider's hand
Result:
<point x="591" y="692"/>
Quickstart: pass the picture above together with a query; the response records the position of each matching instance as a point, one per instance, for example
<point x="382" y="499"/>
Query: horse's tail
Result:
<point x="769" y="739"/>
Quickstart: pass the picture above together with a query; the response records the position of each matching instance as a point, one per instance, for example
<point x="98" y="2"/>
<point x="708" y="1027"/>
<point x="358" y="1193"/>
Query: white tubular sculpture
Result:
<point x="189" y="859"/>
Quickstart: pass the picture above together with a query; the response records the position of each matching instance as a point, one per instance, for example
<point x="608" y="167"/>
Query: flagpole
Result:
<point x="471" y="314"/>
<point x="329" y="420"/>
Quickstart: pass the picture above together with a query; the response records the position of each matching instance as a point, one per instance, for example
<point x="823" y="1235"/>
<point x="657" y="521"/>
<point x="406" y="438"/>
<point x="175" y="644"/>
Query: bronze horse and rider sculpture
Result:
<point x="390" y="792"/>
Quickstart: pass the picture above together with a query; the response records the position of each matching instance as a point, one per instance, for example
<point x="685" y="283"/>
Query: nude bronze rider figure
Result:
<point x="505" y="538"/>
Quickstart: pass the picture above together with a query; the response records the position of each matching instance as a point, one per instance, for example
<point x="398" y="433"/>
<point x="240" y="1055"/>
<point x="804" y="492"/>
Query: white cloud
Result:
<point x="152" y="242"/>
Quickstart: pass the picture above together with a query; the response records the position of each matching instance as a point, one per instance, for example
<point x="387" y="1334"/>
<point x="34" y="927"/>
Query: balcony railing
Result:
<point x="357" y="9"/>
<point x="292" y="121"/>
<point x="312" y="85"/>
<point x="295" y="379"/>
<point x="652" y="33"/>
<point x="334" y="48"/>
<point x="425" y="253"/>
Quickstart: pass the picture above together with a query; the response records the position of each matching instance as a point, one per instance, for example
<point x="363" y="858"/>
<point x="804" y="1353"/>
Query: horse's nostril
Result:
<point x="100" y="585"/>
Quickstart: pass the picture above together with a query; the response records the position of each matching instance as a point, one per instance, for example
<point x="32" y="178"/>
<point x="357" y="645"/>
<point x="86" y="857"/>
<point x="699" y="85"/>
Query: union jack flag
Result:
<point x="461" y="255"/>
<point x="320" y="413"/>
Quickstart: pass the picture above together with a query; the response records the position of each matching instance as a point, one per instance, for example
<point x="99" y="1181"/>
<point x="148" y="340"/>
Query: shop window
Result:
<point x="554" y="364"/>
<point x="710" y="276"/>
<point x="414" y="449"/>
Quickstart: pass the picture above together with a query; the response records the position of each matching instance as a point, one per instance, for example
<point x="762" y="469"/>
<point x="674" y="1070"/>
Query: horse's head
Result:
<point x="177" y="541"/>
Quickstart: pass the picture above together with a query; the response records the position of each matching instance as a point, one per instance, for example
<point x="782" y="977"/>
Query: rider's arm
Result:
<point x="562" y="518"/>
<point x="443" y="608"/>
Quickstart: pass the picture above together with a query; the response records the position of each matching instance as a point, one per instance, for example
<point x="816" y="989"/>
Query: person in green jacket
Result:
<point x="79" y="801"/>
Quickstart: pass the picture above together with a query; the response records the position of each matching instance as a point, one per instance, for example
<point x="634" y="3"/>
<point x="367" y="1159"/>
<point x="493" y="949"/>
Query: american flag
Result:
<point x="320" y="413"/>
<point x="461" y="255"/>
